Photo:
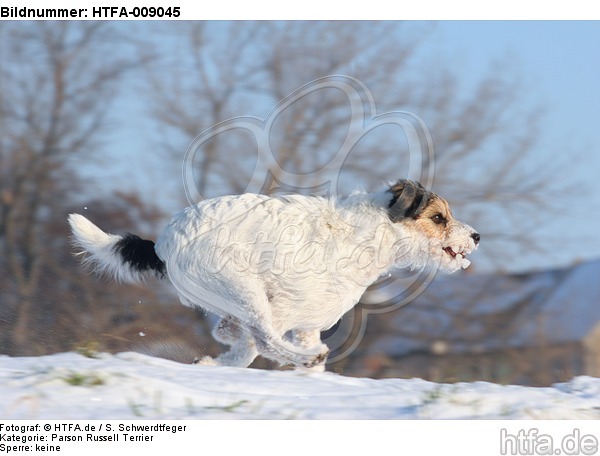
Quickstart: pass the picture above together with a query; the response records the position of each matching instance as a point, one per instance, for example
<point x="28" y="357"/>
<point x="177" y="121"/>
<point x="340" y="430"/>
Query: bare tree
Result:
<point x="57" y="80"/>
<point x="220" y="71"/>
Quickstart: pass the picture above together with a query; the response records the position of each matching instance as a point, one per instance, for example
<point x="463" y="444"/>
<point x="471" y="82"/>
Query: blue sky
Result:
<point x="559" y="63"/>
<point x="559" y="60"/>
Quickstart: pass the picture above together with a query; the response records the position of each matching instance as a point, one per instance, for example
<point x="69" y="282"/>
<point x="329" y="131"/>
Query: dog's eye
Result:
<point x="439" y="219"/>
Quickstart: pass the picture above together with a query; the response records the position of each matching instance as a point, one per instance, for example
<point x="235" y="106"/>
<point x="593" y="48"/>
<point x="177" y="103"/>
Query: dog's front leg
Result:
<point x="308" y="339"/>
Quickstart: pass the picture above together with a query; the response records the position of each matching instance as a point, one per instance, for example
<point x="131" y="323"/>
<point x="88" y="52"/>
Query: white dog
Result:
<point x="272" y="267"/>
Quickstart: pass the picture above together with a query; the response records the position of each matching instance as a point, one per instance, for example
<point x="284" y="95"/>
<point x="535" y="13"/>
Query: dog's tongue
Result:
<point x="450" y="251"/>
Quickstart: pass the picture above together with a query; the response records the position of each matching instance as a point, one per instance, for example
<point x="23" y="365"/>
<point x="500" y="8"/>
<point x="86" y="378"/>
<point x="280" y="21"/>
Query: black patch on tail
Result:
<point x="140" y="254"/>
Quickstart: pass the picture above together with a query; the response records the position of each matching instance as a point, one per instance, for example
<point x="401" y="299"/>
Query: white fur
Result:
<point x="276" y="266"/>
<point x="97" y="247"/>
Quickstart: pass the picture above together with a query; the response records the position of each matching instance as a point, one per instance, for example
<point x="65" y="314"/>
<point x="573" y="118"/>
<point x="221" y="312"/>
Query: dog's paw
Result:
<point x="315" y="368"/>
<point x="319" y="359"/>
<point x="205" y="361"/>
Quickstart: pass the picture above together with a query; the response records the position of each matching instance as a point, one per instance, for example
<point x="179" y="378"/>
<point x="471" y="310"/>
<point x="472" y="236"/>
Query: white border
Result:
<point x="338" y="10"/>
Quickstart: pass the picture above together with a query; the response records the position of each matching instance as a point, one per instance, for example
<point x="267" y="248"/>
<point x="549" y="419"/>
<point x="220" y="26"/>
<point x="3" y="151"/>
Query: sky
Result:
<point x="560" y="62"/>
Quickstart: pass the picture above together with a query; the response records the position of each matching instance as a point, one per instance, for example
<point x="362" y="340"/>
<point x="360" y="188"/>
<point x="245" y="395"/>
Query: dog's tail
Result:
<point x="126" y="258"/>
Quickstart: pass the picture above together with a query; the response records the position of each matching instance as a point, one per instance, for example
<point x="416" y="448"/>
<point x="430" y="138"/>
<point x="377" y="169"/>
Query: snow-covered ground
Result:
<point x="136" y="386"/>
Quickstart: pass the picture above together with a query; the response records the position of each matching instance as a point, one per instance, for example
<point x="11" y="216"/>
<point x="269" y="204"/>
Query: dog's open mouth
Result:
<point x="460" y="256"/>
<point x="454" y="254"/>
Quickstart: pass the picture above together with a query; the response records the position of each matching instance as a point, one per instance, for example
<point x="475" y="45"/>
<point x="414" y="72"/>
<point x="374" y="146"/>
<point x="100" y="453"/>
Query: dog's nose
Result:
<point x="476" y="237"/>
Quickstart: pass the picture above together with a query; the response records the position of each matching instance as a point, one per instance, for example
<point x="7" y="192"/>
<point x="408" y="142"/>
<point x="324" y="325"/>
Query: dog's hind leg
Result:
<point x="269" y="336"/>
<point x="246" y="303"/>
<point x="262" y="339"/>
<point x="243" y="348"/>
<point x="272" y="345"/>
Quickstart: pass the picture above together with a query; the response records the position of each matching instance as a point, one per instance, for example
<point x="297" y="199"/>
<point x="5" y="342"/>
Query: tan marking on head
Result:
<point x="426" y="222"/>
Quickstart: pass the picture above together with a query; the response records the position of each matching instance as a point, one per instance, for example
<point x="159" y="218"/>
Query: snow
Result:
<point x="135" y="386"/>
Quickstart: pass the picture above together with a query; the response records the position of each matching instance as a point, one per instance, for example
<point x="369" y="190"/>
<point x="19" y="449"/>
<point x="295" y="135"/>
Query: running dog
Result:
<point x="279" y="270"/>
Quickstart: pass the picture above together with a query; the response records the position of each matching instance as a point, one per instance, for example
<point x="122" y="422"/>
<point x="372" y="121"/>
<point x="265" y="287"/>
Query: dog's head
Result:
<point x="429" y="217"/>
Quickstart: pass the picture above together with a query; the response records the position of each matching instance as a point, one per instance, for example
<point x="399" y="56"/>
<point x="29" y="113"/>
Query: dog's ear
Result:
<point x="408" y="200"/>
